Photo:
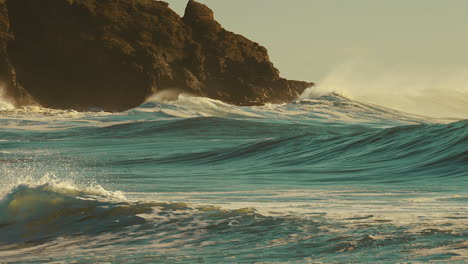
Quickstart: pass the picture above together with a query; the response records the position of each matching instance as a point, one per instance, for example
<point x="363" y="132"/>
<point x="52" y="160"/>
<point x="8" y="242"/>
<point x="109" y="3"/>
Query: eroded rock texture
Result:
<point x="113" y="54"/>
<point x="8" y="86"/>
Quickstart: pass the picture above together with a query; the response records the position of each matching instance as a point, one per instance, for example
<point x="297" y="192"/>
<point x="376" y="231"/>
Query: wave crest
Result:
<point x="34" y="214"/>
<point x="437" y="93"/>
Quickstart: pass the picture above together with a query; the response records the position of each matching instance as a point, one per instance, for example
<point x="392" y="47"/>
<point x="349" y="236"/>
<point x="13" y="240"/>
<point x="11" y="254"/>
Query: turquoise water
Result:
<point x="323" y="180"/>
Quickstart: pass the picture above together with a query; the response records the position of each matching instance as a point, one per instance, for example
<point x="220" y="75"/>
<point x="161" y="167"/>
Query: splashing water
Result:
<point x="5" y="103"/>
<point x="413" y="89"/>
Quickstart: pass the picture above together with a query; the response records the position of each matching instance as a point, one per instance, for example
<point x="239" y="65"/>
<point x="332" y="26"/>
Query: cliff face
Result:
<point x="6" y="70"/>
<point x="113" y="54"/>
<point x="8" y="85"/>
<point x="231" y="67"/>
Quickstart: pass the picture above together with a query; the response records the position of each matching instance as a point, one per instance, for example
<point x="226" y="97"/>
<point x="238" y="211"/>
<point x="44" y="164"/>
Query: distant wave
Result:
<point x="341" y="95"/>
<point x="421" y="90"/>
<point x="324" y="107"/>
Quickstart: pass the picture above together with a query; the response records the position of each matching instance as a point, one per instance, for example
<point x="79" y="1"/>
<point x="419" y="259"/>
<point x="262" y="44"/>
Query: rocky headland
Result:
<point x="114" y="54"/>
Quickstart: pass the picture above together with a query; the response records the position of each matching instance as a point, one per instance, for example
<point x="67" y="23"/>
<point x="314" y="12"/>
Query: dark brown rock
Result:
<point x="113" y="54"/>
<point x="82" y="54"/>
<point x="8" y="86"/>
<point x="6" y="70"/>
<point x="233" y="68"/>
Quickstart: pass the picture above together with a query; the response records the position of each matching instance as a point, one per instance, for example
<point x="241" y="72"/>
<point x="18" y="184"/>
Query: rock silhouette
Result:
<point x="114" y="54"/>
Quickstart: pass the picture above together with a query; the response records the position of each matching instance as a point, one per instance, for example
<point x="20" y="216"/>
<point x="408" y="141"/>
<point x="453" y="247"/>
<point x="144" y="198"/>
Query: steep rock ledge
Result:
<point x="113" y="54"/>
<point x="8" y="86"/>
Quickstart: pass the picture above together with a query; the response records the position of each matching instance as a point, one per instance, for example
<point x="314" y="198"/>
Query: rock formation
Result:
<point x="8" y="86"/>
<point x="113" y="54"/>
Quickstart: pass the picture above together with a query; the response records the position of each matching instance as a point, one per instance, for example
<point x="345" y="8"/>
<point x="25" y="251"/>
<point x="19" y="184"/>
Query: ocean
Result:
<point x="324" y="179"/>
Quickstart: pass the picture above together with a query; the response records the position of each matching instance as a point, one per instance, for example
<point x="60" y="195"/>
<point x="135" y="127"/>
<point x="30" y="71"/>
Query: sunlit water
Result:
<point x="323" y="180"/>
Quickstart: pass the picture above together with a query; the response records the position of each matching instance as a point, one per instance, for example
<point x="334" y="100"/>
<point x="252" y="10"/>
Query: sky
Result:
<point x="309" y="39"/>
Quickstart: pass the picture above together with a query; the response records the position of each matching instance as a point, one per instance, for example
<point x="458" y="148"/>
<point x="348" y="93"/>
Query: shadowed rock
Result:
<point x="113" y="54"/>
<point x="8" y="86"/>
<point x="233" y="68"/>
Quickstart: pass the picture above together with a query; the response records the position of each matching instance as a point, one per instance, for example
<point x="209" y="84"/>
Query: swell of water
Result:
<point x="324" y="179"/>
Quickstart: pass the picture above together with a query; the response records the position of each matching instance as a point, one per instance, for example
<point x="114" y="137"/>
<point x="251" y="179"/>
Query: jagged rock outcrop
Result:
<point x="113" y="54"/>
<point x="233" y="68"/>
<point x="6" y="70"/>
<point x="8" y="86"/>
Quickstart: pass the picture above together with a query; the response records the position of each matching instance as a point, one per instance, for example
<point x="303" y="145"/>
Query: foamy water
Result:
<point x="325" y="179"/>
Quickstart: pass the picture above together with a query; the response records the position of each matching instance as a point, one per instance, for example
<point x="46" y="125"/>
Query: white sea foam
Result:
<point x="187" y="106"/>
<point x="352" y="207"/>
<point x="42" y="112"/>
<point x="45" y="119"/>
<point x="50" y="182"/>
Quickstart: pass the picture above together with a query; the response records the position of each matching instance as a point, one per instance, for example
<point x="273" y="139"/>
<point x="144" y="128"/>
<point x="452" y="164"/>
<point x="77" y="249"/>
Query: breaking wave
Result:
<point x="431" y="92"/>
<point x="90" y="221"/>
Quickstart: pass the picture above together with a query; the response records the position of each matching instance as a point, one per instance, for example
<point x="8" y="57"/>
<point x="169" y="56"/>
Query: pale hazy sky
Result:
<point x="307" y="39"/>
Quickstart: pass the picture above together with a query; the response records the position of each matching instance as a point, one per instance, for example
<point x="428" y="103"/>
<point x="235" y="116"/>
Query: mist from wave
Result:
<point x="417" y="89"/>
<point x="5" y="103"/>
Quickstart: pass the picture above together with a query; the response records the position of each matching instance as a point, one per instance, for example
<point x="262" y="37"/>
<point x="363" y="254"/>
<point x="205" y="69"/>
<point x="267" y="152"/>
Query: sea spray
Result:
<point x="5" y="103"/>
<point x="421" y="90"/>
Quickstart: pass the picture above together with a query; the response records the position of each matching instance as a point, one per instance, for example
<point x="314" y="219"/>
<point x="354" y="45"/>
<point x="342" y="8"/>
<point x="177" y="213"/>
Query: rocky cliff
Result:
<point x="8" y="86"/>
<point x="113" y="54"/>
